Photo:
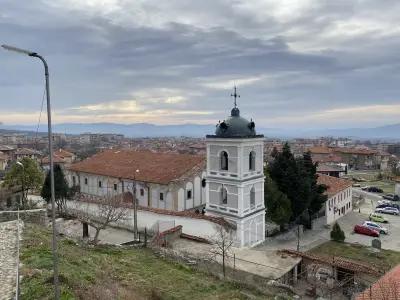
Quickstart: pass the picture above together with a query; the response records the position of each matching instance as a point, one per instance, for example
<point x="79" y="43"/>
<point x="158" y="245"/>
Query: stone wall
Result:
<point x="37" y="216"/>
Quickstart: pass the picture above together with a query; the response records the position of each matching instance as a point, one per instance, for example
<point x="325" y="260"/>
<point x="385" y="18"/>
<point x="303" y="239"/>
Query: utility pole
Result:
<point x="50" y="137"/>
<point x="135" y="207"/>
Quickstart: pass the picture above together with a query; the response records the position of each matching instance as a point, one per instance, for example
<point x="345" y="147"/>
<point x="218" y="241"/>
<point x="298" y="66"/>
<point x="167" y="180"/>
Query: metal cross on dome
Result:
<point x="235" y="95"/>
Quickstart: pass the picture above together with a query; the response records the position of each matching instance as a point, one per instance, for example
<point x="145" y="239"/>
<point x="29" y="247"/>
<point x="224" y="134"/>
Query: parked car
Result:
<point x="356" y="185"/>
<point x="377" y="218"/>
<point x="391" y="197"/>
<point x="374" y="189"/>
<point x="373" y="225"/>
<point x="388" y="204"/>
<point x="383" y="202"/>
<point x="364" y="188"/>
<point x="360" y="229"/>
<point x="387" y="210"/>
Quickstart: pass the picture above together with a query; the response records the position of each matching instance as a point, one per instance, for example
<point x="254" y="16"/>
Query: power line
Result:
<point x="40" y="116"/>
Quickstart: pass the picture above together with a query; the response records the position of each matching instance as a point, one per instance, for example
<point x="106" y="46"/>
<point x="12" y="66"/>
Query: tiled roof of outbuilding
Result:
<point x="153" y="167"/>
<point x="334" y="184"/>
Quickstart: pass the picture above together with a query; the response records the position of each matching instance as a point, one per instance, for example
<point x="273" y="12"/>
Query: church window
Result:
<point x="99" y="184"/>
<point x="73" y="181"/>
<point x="224" y="160"/>
<point x="252" y="161"/>
<point x="224" y="195"/>
<point x="252" y="198"/>
<point x="161" y="196"/>
<point x="115" y="186"/>
<point x="86" y="181"/>
<point x="142" y="192"/>
<point x="189" y="194"/>
<point x="203" y="182"/>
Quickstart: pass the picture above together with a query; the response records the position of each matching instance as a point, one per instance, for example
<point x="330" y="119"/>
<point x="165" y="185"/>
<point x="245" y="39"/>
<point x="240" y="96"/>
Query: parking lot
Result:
<point x="321" y="233"/>
<point x="390" y="241"/>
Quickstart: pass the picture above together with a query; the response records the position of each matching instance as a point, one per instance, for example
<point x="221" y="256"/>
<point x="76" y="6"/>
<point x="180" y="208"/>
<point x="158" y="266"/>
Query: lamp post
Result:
<point x="135" y="205"/>
<point x="19" y="205"/>
<point x="22" y="183"/>
<point x="50" y="137"/>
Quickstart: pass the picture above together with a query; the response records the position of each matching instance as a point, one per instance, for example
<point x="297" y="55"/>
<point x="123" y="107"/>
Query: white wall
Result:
<point x="194" y="184"/>
<point x="342" y="201"/>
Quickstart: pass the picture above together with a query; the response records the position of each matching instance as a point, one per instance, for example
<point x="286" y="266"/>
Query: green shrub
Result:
<point x="337" y="234"/>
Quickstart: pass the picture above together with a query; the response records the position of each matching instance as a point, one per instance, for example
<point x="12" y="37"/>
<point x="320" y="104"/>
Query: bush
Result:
<point x="337" y="234"/>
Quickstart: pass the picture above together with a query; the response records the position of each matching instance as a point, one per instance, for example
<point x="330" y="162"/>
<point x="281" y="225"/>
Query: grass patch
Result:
<point x="106" y="272"/>
<point x="386" y="259"/>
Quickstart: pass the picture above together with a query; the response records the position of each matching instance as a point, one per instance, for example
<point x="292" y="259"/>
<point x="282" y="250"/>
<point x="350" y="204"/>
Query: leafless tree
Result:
<point x="223" y="243"/>
<point x="108" y="209"/>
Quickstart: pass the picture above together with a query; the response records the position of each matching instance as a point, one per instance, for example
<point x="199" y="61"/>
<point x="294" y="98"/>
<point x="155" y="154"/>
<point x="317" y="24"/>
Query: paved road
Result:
<point x="8" y="259"/>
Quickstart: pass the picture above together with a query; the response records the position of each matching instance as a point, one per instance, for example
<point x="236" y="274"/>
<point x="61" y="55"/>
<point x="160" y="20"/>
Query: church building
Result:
<point x="235" y="177"/>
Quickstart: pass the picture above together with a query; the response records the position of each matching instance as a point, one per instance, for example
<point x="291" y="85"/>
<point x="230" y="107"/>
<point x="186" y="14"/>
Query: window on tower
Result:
<point x="252" y="161"/>
<point x="224" y="160"/>
<point x="252" y="198"/>
<point x="224" y="195"/>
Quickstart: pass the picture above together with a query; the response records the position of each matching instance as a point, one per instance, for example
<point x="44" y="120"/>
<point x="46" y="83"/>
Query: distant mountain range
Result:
<point x="388" y="132"/>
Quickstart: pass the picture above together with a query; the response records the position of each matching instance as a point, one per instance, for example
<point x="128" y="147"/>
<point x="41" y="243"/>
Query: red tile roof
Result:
<point x="338" y="261"/>
<point x="56" y="159"/>
<point x="386" y="288"/>
<point x="355" y="151"/>
<point x="63" y="153"/>
<point x="320" y="150"/>
<point x="334" y="184"/>
<point x="153" y="167"/>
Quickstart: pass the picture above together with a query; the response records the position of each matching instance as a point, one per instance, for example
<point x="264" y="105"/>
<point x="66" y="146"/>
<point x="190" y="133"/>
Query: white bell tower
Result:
<point x="235" y="177"/>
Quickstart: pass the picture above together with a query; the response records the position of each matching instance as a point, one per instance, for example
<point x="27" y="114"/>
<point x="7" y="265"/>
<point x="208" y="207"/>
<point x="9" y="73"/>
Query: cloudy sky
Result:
<point x="304" y="63"/>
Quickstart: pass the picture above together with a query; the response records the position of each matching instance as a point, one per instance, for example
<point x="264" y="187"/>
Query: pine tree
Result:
<point x="61" y="188"/>
<point x="284" y="172"/>
<point x="317" y="196"/>
<point x="337" y="234"/>
<point x="277" y="203"/>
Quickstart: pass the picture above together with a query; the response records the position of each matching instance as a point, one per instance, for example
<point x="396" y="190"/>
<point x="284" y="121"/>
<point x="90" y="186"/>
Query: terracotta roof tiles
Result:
<point x="334" y="184"/>
<point x="386" y="288"/>
<point x="153" y="167"/>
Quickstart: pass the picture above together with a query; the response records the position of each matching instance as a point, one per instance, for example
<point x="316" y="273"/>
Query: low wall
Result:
<point x="232" y="274"/>
<point x="36" y="216"/>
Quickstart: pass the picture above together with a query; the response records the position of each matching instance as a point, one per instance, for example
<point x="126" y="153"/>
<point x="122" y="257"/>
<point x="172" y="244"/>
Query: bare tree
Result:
<point x="108" y="209"/>
<point x="223" y="243"/>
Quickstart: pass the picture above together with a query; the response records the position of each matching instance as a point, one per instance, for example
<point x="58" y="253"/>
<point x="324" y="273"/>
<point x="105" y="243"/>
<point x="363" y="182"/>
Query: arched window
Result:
<point x="252" y="161"/>
<point x="252" y="197"/>
<point x="203" y="182"/>
<point x="224" y="195"/>
<point x="224" y="160"/>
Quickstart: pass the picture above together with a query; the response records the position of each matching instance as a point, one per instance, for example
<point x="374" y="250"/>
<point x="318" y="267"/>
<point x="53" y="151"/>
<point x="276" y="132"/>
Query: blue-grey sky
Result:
<point x="297" y="64"/>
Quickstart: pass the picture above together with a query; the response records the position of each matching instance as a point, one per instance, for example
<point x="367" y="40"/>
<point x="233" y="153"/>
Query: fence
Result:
<point x="209" y="264"/>
<point x="37" y="216"/>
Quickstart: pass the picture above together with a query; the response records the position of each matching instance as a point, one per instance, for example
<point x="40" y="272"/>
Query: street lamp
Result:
<point x="19" y="205"/>
<point x="53" y="209"/>
<point x="135" y="205"/>
<point x="22" y="183"/>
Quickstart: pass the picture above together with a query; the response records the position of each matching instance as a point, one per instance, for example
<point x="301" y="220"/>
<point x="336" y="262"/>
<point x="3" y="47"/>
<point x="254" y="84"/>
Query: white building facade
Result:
<point x="339" y="192"/>
<point x="158" y="180"/>
<point x="235" y="178"/>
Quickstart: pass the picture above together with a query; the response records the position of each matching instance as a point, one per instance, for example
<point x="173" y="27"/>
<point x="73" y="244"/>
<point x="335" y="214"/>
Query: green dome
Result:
<point x="235" y="126"/>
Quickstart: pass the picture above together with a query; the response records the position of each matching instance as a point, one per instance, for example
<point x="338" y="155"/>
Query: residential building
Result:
<point x="3" y="161"/>
<point x="235" y="178"/>
<point x="330" y="169"/>
<point x="339" y="194"/>
<point x="21" y="153"/>
<point x="158" y="180"/>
